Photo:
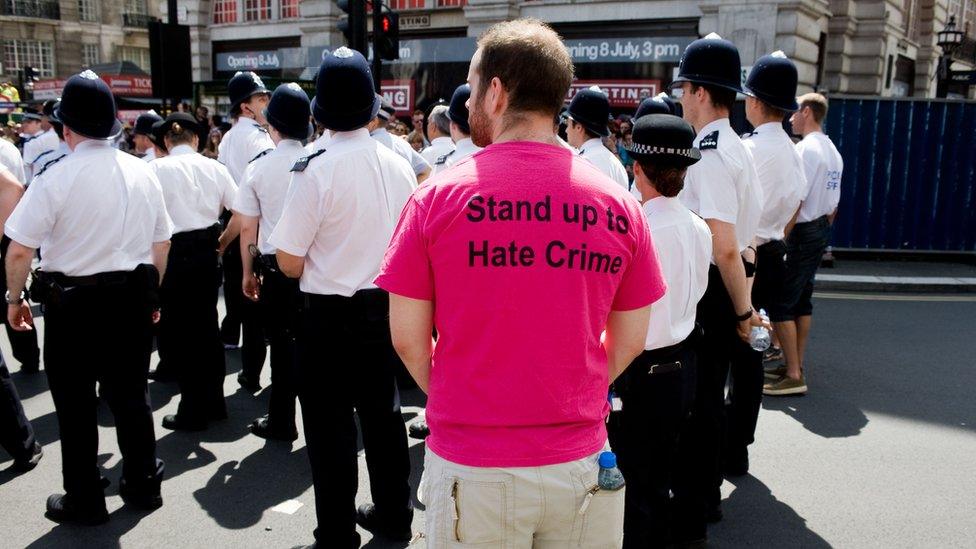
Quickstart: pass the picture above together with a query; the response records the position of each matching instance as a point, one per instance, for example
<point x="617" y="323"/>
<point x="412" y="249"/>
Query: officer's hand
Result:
<point x="19" y="317"/>
<point x="252" y="287"/>
<point x="745" y="326"/>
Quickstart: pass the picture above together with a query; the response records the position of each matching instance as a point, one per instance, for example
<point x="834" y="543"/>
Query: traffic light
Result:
<point x="386" y="36"/>
<point x="31" y="74"/>
<point x="353" y="25"/>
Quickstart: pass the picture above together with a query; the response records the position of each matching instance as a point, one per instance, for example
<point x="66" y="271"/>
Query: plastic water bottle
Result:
<point x="759" y="338"/>
<point x="610" y="478"/>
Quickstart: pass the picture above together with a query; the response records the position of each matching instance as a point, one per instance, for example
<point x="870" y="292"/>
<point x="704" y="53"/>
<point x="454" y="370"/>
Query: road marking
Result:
<point x="896" y="297"/>
<point x="288" y="507"/>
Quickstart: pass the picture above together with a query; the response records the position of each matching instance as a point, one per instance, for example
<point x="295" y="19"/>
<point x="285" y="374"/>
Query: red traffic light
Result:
<point x="386" y="24"/>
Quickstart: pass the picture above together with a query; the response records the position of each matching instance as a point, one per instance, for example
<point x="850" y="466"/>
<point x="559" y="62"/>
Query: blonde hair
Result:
<point x="817" y="104"/>
<point x="178" y="135"/>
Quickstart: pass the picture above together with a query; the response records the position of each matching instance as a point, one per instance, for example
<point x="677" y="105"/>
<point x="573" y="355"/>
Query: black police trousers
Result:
<point x="646" y="436"/>
<point x="242" y="315"/>
<point x="719" y="351"/>
<point x="103" y="334"/>
<point x="280" y="303"/>
<point x="188" y="331"/>
<point x="23" y="344"/>
<point x="16" y="433"/>
<point x="346" y="365"/>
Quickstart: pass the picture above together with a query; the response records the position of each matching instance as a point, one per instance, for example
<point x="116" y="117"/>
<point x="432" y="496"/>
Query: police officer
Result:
<point x="659" y="104"/>
<point x="460" y="130"/>
<point x="724" y="190"/>
<point x="439" y="131"/>
<point x="62" y="149"/>
<point x="377" y="129"/>
<point x="343" y="204"/>
<point x="197" y="190"/>
<point x="258" y="205"/>
<point x="100" y="217"/>
<point x="142" y="135"/>
<point x="587" y="117"/>
<point x="39" y="138"/>
<point x="771" y="95"/>
<point x="657" y="390"/>
<point x="245" y="140"/>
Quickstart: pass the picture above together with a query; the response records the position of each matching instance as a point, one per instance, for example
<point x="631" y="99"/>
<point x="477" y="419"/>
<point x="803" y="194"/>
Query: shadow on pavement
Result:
<point x="755" y="518"/>
<point x="106" y="536"/>
<point x="29" y="385"/>
<point x="821" y="414"/>
<point x="239" y="493"/>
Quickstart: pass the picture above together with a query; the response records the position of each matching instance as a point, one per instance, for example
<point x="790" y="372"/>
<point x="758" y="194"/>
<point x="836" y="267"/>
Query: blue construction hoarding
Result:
<point x="909" y="173"/>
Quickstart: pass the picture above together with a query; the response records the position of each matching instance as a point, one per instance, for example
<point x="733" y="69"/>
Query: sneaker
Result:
<point x="775" y="373"/>
<point x="772" y="354"/>
<point x="786" y="386"/>
<point x="26" y="464"/>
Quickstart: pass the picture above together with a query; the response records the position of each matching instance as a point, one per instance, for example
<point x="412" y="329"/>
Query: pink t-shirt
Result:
<point x="524" y="248"/>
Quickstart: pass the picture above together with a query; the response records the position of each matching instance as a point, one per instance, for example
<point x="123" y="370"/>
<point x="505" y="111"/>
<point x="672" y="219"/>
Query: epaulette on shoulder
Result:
<point x="49" y="164"/>
<point x="710" y="141"/>
<point x="442" y="159"/>
<point x="260" y="154"/>
<point x="303" y="162"/>
<point x="260" y="127"/>
<point x="747" y="135"/>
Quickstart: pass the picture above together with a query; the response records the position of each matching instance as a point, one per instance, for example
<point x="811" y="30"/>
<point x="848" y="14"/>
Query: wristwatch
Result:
<point x="18" y="301"/>
<point x="745" y="316"/>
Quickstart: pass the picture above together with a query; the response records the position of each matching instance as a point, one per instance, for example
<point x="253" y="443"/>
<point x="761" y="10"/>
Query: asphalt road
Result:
<point x="878" y="454"/>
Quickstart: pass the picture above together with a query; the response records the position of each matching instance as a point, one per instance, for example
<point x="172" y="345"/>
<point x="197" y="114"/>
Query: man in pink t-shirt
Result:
<point x="521" y="256"/>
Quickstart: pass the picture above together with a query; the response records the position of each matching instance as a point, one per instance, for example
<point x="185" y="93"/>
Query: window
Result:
<point x="18" y="54"/>
<point x="289" y="9"/>
<point x="451" y="3"/>
<point x="407" y="4"/>
<point x="225" y="11"/>
<point x="136" y="7"/>
<point x="90" y="55"/>
<point x="87" y="10"/>
<point x="139" y="56"/>
<point x="257" y="10"/>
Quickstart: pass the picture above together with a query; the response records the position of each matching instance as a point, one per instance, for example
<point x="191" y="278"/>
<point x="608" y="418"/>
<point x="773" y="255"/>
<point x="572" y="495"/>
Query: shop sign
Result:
<point x="420" y="21"/>
<point x="622" y="93"/>
<point x="399" y="93"/>
<point x="48" y="89"/>
<point x="123" y="85"/>
<point x="248" y="61"/>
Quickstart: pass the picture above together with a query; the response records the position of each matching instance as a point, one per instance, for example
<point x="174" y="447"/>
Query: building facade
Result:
<point x="60" y="37"/>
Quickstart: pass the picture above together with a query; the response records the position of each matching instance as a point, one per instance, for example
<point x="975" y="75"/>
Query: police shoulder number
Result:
<point x="442" y="159"/>
<point x="710" y="141"/>
<point x="303" y="162"/>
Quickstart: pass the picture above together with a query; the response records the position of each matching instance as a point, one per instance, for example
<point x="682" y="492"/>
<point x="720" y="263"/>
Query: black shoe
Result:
<point x="176" y="423"/>
<point x="61" y="508"/>
<point x="248" y="384"/>
<point x="419" y="430"/>
<point x="26" y="464"/>
<point x="368" y="519"/>
<point x="148" y="499"/>
<point x="160" y="375"/>
<point x="30" y="367"/>
<point x="737" y="463"/>
<point x="261" y="427"/>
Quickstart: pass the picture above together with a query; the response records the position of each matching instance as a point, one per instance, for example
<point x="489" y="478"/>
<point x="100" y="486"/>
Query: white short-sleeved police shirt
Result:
<point x="723" y="185"/>
<point x="10" y="159"/>
<point x="463" y="149"/>
<point x="824" y="167"/>
<point x="262" y="193"/>
<point x="438" y="148"/>
<point x="402" y="148"/>
<point x="684" y="248"/>
<point x="243" y="141"/>
<point x="96" y="210"/>
<point x="605" y="161"/>
<point x="341" y="210"/>
<point x="780" y="172"/>
<point x="149" y="155"/>
<point x="197" y="189"/>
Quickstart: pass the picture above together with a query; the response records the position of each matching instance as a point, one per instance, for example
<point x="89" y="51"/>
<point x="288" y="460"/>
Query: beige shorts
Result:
<point x="555" y="506"/>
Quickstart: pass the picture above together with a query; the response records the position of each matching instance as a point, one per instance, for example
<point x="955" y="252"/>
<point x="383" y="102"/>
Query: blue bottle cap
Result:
<point x="608" y="460"/>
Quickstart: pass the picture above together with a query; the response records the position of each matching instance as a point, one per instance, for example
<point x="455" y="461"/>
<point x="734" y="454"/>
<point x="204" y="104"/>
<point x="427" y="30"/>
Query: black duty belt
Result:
<point x="820" y="221"/>
<point x="319" y="300"/>
<point x="111" y="278"/>
<point x="211" y="233"/>
<point x="662" y="360"/>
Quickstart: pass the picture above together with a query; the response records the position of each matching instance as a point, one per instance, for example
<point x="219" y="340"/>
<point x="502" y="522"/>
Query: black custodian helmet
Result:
<point x="713" y="61"/>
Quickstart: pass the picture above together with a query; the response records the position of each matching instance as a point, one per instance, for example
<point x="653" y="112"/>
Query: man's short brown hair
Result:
<point x="817" y="104"/>
<point x="532" y="63"/>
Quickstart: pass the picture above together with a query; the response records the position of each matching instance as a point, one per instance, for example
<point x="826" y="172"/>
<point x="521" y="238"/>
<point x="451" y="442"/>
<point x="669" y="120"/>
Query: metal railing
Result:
<point x="138" y="20"/>
<point x="43" y="9"/>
